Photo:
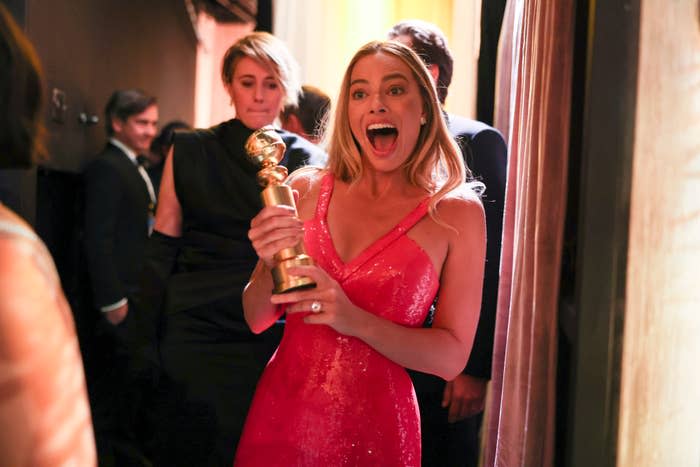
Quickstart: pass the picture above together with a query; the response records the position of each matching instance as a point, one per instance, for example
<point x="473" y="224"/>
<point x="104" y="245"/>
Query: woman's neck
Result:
<point x="376" y="185"/>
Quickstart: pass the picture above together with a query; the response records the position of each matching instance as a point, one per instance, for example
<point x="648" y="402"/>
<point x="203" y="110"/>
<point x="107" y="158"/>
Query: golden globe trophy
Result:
<point x="265" y="148"/>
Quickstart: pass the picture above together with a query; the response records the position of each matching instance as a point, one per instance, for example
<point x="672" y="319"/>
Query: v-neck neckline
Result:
<point x="400" y="228"/>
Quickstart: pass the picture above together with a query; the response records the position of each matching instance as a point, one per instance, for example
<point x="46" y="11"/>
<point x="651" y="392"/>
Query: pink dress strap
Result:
<point x="346" y="269"/>
<point x="317" y="402"/>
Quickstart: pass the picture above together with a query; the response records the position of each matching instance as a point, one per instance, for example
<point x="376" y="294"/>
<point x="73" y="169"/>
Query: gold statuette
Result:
<point x="265" y="148"/>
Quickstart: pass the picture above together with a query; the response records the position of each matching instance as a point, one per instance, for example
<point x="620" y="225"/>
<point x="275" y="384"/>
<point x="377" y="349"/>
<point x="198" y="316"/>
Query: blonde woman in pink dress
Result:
<point x="44" y="412"/>
<point x="392" y="226"/>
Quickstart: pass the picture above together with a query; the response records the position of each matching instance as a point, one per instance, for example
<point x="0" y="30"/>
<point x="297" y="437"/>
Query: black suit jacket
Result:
<point x="116" y="225"/>
<point x="485" y="153"/>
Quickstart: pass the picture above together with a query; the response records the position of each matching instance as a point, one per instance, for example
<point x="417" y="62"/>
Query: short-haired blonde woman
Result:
<point x="391" y="226"/>
<point x="200" y="258"/>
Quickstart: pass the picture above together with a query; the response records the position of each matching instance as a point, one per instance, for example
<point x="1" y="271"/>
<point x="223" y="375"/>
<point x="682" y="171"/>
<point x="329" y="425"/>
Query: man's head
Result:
<point x="132" y="117"/>
<point x="308" y="118"/>
<point x="429" y="42"/>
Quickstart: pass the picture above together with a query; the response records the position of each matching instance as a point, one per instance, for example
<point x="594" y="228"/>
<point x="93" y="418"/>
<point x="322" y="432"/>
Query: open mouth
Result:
<point x="382" y="136"/>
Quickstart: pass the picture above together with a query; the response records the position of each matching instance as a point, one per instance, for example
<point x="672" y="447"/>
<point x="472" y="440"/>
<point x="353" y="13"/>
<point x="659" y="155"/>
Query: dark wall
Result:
<point x="17" y="187"/>
<point x="89" y="48"/>
<point x="16" y="9"/>
<point x="491" y="20"/>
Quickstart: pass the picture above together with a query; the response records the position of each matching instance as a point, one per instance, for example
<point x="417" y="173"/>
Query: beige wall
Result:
<point x="323" y="36"/>
<point x="660" y="394"/>
<point x="212" y="103"/>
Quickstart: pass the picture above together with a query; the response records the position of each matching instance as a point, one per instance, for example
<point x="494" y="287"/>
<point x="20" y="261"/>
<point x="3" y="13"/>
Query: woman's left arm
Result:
<point x="442" y="349"/>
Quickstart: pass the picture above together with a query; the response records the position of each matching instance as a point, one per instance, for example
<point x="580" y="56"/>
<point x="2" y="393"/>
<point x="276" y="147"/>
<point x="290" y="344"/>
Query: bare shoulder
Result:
<point x="461" y="209"/>
<point x="13" y="247"/>
<point x="18" y="266"/>
<point x="306" y="180"/>
<point x="12" y="252"/>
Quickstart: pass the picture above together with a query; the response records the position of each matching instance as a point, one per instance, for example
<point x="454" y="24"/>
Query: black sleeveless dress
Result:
<point x="210" y="360"/>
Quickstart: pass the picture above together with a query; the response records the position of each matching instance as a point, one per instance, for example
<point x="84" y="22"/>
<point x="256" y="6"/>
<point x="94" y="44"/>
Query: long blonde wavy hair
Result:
<point x="436" y="164"/>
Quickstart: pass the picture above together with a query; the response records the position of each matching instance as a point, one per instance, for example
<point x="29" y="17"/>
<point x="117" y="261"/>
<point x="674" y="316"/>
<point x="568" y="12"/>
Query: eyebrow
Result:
<point x="251" y="75"/>
<point x="388" y="77"/>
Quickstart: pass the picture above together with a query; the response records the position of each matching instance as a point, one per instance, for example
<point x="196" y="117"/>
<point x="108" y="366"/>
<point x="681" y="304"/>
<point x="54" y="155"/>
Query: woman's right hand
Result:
<point x="273" y="229"/>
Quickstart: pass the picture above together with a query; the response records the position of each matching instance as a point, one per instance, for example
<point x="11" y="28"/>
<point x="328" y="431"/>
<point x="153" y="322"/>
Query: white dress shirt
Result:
<point x="151" y="193"/>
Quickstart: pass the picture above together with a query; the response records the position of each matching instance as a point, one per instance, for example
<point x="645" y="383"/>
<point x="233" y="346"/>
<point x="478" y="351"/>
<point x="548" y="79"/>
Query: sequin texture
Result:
<point x="327" y="399"/>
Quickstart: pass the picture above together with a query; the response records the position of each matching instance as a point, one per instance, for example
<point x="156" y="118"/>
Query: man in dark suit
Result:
<point x="451" y="412"/>
<point x="119" y="204"/>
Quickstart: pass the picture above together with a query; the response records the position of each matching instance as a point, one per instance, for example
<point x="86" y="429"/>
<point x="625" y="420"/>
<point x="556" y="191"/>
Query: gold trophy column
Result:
<point x="266" y="149"/>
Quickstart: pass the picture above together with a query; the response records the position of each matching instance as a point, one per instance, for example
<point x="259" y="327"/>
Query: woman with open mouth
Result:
<point x="393" y="229"/>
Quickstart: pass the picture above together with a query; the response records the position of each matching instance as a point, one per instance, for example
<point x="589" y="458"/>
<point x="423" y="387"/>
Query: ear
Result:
<point x="117" y="125"/>
<point x="424" y="115"/>
<point x="434" y="72"/>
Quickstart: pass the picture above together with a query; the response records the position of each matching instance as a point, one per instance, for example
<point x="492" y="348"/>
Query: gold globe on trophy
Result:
<point x="265" y="148"/>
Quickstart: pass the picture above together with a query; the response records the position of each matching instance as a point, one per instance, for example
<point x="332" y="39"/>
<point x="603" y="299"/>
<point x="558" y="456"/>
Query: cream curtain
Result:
<point x="324" y="35"/>
<point x="533" y="89"/>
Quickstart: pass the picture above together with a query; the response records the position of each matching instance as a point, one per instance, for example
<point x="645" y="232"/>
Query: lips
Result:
<point x="382" y="137"/>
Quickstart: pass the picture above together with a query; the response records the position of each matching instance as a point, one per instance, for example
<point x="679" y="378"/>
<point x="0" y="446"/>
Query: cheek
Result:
<point x="277" y="98"/>
<point x="356" y="132"/>
<point x="355" y="123"/>
<point x="230" y="90"/>
<point x="239" y="96"/>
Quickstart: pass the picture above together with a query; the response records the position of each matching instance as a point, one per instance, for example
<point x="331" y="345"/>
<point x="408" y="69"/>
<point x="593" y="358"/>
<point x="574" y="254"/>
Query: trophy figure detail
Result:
<point x="265" y="148"/>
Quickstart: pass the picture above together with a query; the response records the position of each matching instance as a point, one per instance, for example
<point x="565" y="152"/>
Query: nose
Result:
<point x="258" y="93"/>
<point x="377" y="104"/>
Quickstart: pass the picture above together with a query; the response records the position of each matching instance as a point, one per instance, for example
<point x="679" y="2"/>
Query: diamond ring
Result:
<point x="316" y="307"/>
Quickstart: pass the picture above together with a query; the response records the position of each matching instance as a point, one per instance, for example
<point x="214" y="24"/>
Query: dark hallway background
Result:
<point x="88" y="49"/>
<point x="491" y="20"/>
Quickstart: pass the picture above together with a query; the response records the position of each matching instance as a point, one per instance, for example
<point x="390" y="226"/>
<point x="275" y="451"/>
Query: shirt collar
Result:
<point x="129" y="153"/>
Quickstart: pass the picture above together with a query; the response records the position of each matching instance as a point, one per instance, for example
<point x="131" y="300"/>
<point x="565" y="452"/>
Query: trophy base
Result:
<point x="285" y="282"/>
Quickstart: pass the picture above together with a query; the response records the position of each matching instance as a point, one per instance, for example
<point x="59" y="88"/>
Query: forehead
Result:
<point x="150" y="113"/>
<point x="379" y="65"/>
<point x="250" y="66"/>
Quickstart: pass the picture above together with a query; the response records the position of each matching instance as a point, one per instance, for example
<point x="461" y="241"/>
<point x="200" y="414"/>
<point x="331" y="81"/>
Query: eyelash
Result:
<point x="268" y="85"/>
<point x="392" y="91"/>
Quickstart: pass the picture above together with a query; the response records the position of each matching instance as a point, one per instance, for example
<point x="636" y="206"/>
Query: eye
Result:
<point x="247" y="83"/>
<point x="271" y="85"/>
<point x="358" y="94"/>
<point x="396" y="90"/>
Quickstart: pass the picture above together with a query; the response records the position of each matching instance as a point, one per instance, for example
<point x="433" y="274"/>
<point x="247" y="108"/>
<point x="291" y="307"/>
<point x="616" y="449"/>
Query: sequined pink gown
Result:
<point x="326" y="399"/>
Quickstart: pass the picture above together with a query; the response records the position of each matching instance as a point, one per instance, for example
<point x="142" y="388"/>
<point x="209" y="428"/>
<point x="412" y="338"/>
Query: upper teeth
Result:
<point x="379" y="126"/>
